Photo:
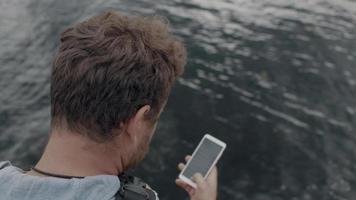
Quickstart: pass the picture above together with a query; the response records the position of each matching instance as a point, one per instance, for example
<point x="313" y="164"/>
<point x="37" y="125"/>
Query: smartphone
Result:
<point x="203" y="159"/>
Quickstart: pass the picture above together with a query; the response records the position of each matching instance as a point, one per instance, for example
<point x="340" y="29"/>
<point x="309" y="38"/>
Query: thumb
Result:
<point x="198" y="179"/>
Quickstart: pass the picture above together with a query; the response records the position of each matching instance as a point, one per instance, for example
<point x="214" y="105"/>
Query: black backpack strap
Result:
<point x="133" y="188"/>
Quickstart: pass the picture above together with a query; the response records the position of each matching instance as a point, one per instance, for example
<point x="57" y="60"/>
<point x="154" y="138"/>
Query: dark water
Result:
<point x="275" y="79"/>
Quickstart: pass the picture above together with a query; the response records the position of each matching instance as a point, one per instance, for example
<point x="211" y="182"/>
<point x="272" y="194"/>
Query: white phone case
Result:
<point x="216" y="141"/>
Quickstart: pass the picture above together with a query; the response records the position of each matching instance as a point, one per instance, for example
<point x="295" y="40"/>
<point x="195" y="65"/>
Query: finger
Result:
<point x="213" y="175"/>
<point x="181" y="166"/>
<point x="212" y="179"/>
<point x="198" y="179"/>
<point x="191" y="191"/>
<point x="185" y="186"/>
<point x="187" y="158"/>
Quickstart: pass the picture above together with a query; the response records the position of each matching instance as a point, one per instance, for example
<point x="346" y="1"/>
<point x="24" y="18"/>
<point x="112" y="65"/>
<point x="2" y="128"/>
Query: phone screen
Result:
<point x="203" y="158"/>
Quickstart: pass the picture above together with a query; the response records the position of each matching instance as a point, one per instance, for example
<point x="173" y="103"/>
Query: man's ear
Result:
<point x="135" y="124"/>
<point x="141" y="113"/>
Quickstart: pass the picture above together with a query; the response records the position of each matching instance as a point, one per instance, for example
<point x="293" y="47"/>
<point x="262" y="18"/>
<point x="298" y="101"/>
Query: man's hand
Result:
<point x="206" y="189"/>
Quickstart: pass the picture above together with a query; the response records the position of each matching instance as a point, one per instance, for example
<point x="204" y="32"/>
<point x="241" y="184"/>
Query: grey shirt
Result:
<point x="15" y="185"/>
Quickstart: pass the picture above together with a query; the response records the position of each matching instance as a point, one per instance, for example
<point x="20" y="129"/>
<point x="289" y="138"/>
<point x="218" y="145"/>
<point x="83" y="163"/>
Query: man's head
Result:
<point x="112" y="76"/>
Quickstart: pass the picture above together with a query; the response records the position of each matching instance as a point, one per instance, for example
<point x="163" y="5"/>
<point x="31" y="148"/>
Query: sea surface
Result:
<point x="274" y="79"/>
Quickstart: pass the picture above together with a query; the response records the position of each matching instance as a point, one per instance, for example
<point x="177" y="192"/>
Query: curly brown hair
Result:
<point x="109" y="66"/>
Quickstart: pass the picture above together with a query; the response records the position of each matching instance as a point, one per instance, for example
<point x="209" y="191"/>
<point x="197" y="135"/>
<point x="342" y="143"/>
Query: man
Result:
<point x="110" y="82"/>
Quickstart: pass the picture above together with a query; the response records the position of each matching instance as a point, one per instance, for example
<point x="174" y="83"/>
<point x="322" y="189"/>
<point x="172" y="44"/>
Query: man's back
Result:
<point x="15" y="185"/>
